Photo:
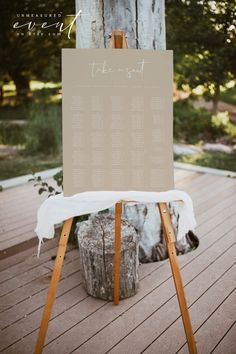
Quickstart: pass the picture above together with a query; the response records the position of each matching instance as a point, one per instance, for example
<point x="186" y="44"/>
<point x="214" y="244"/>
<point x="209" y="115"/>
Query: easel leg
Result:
<point x="170" y="243"/>
<point x="53" y="285"/>
<point x="118" y="213"/>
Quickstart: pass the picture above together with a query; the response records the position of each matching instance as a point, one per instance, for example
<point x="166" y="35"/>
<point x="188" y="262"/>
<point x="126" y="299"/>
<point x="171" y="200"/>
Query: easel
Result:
<point x="118" y="40"/>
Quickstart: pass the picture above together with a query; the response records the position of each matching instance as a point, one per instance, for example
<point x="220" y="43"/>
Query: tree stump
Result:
<point x="96" y="246"/>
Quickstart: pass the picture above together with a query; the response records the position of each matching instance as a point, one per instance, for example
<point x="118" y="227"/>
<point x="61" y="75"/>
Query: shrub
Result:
<point x="222" y="124"/>
<point x="12" y="133"/>
<point x="191" y="124"/>
<point x="44" y="130"/>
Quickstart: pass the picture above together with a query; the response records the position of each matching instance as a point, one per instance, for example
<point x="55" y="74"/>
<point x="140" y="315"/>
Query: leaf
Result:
<point x="41" y="190"/>
<point x="59" y="183"/>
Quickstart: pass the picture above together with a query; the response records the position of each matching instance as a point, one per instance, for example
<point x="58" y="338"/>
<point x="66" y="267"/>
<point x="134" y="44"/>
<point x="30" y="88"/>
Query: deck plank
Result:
<point x="150" y="282"/>
<point x="216" y="326"/>
<point x="202" y="305"/>
<point x="26" y="277"/>
<point x="82" y="324"/>
<point x="228" y="342"/>
<point x="38" y="284"/>
<point x="154" y="306"/>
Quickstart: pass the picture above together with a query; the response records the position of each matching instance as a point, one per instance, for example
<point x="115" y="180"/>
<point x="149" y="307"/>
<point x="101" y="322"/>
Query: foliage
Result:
<point x="191" y="124"/>
<point x="12" y="133"/>
<point x="45" y="187"/>
<point x="229" y="95"/>
<point x="15" y="111"/>
<point x="44" y="130"/>
<point x="223" y="125"/>
<point x="202" y="35"/>
<point x="212" y="159"/>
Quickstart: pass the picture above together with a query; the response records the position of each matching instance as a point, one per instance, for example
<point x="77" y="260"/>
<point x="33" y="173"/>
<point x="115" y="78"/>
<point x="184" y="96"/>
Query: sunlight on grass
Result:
<point x="217" y="159"/>
<point x="10" y="88"/>
<point x="229" y="95"/>
<point x="39" y="85"/>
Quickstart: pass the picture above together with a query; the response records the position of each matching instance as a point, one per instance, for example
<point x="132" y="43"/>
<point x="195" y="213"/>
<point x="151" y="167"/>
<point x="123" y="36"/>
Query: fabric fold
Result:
<point x="57" y="209"/>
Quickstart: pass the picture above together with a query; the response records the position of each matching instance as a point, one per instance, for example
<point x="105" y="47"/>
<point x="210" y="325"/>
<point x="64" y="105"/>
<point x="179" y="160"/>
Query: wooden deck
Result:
<point x="147" y="323"/>
<point x="18" y="207"/>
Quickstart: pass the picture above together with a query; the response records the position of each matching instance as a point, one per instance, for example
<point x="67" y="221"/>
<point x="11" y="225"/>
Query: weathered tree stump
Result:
<point x="96" y="246"/>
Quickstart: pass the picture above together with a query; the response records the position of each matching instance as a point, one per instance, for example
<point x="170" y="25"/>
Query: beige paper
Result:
<point x="117" y="120"/>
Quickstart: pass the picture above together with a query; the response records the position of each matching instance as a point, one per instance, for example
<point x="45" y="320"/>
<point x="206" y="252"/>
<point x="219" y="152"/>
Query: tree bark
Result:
<point x="142" y="21"/>
<point x="144" y="25"/>
<point x="1" y="94"/>
<point x="216" y="98"/>
<point x="96" y="246"/>
<point x="22" y="84"/>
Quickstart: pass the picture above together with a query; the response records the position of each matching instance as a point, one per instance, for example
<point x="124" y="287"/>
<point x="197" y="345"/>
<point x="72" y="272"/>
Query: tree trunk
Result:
<point x="96" y="246"/>
<point x="22" y="84"/>
<point x="142" y="21"/>
<point x="215" y="99"/>
<point x="144" y="25"/>
<point x="1" y="94"/>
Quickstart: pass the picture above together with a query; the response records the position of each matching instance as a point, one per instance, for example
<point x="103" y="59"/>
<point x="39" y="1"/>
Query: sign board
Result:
<point x="117" y="120"/>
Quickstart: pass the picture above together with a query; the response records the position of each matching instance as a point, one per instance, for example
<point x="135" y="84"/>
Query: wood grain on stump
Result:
<point x="96" y="245"/>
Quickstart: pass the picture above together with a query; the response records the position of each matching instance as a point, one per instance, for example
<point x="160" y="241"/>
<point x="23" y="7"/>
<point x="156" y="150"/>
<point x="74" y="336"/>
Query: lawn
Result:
<point x="38" y="133"/>
<point x="212" y="159"/>
<point x="229" y="96"/>
<point x="21" y="165"/>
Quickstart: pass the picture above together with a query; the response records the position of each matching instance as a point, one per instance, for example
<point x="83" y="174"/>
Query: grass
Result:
<point x="10" y="89"/>
<point x="43" y="94"/>
<point x="211" y="159"/>
<point x="191" y="125"/>
<point x="26" y="165"/>
<point x="14" y="112"/>
<point x="22" y="165"/>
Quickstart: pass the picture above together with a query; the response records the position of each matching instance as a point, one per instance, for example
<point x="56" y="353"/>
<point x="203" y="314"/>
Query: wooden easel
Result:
<point x="118" y="40"/>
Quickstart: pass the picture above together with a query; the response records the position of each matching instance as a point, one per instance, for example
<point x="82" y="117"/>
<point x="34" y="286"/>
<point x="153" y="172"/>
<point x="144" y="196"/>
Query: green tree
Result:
<point x="202" y="34"/>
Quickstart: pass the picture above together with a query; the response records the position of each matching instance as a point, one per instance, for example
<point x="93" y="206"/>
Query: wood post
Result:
<point x="118" y="40"/>
<point x="118" y="213"/>
<point x="53" y="285"/>
<point x="170" y="243"/>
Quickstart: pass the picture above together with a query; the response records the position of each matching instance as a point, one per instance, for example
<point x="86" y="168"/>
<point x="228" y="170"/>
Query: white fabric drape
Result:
<point x="59" y="208"/>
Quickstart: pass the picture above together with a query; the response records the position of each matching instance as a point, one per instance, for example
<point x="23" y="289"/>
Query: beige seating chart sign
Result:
<point x="117" y="120"/>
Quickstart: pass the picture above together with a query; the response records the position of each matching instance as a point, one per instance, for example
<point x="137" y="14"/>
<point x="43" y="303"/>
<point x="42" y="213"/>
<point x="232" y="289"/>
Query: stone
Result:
<point x="217" y="147"/>
<point x="181" y="149"/>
